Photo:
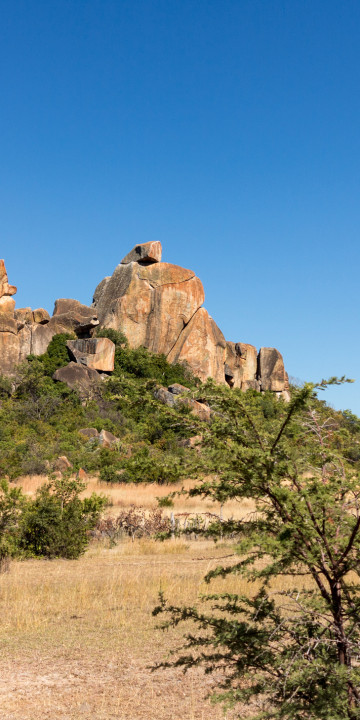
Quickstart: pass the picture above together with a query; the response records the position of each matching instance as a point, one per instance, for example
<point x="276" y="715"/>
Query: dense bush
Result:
<point x="57" y="522"/>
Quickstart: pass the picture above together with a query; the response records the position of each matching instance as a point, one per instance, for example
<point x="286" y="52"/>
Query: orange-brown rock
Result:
<point x="175" y="399"/>
<point x="271" y="370"/>
<point x="70" y="316"/>
<point x="75" y="316"/>
<point x="149" y="252"/>
<point x="201" y="410"/>
<point x="107" y="439"/>
<point x="14" y="345"/>
<point x="96" y="353"/>
<point x="241" y="366"/>
<point x="151" y="304"/>
<point x="202" y="347"/>
<point x="5" y="288"/>
<point x="7" y="304"/>
<point x="40" y="316"/>
<point x="23" y="315"/>
<point x="62" y="464"/>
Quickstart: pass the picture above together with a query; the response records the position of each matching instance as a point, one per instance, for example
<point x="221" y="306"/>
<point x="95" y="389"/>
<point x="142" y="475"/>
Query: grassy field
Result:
<point x="78" y="639"/>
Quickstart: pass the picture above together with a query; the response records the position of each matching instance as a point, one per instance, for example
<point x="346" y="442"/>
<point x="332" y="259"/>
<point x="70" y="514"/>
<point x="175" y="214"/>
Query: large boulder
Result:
<point x="149" y="252"/>
<point x="202" y="347"/>
<point x="40" y="316"/>
<point x="96" y="353"/>
<point x="241" y="366"/>
<point x="14" y="345"/>
<point x="75" y="316"/>
<point x="271" y="370"/>
<point x="82" y="379"/>
<point x="151" y="304"/>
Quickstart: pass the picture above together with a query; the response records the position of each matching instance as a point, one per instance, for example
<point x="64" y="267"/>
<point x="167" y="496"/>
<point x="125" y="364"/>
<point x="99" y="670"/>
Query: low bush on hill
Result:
<point x="56" y="523"/>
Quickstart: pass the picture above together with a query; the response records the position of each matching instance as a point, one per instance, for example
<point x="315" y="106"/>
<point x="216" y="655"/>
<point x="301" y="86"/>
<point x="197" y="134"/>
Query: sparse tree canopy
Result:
<point x="290" y="648"/>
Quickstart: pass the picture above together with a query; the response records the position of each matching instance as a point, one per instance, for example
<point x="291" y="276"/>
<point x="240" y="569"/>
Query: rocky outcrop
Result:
<point x="156" y="305"/>
<point x="159" y="306"/>
<point x="95" y="353"/>
<point x="26" y="332"/>
<point x="151" y="304"/>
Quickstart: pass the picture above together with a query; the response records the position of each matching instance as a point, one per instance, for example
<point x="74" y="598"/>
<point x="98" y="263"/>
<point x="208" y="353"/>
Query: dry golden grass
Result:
<point x="122" y="495"/>
<point x="78" y="637"/>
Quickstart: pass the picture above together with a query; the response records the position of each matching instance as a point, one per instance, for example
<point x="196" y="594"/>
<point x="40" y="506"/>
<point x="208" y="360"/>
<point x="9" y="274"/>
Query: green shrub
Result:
<point x="57" y="522"/>
<point x="56" y="355"/>
<point x="111" y="474"/>
<point x="116" y="336"/>
<point x="12" y="503"/>
<point x="144" y="466"/>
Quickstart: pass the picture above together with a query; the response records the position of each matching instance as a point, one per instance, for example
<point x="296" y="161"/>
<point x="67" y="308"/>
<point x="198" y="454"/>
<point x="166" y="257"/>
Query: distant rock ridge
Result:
<point x="157" y="305"/>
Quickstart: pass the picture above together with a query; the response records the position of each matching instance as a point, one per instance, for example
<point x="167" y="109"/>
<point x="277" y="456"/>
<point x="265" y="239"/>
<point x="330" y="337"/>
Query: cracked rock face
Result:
<point x="151" y="304"/>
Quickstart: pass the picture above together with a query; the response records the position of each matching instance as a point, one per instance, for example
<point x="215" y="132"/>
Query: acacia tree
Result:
<point x="292" y="652"/>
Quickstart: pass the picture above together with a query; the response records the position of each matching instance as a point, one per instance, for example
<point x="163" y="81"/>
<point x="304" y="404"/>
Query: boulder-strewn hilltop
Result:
<point x="157" y="305"/>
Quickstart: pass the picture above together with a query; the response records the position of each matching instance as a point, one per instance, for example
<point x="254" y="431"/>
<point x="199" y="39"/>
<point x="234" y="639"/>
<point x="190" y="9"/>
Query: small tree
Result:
<point x="293" y="652"/>
<point x="57" y="522"/>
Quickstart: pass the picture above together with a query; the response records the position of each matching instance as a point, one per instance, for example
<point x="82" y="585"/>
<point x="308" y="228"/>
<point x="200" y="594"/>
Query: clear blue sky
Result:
<point x="229" y="131"/>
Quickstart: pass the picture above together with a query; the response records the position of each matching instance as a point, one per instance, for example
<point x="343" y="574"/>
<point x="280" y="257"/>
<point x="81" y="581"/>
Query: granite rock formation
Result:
<point x="157" y="305"/>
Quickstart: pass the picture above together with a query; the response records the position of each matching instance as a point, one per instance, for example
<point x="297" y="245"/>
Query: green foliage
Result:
<point x="57" y="354"/>
<point x="165" y="501"/>
<point x="291" y="646"/>
<point x="143" y="364"/>
<point x="116" y="336"/>
<point x="147" y="466"/>
<point x="12" y="502"/>
<point x="57" y="522"/>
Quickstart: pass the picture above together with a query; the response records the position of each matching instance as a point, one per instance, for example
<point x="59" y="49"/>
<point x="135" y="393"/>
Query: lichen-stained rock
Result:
<point x="241" y="365"/>
<point x="202" y="347"/>
<point x="96" y="353"/>
<point x="149" y="252"/>
<point x="271" y="370"/>
<point x="151" y="304"/>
